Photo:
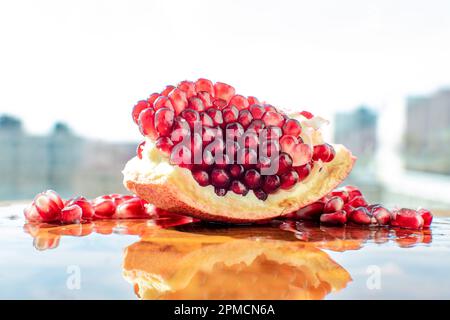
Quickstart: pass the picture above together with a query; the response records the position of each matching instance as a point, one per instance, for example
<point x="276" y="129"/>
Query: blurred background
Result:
<point x="70" y="72"/>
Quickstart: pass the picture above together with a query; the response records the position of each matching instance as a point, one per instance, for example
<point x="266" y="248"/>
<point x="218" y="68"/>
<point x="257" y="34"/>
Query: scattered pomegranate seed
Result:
<point x="407" y="218"/>
<point x="104" y="208"/>
<point x="360" y="216"/>
<point x="382" y="215"/>
<point x="87" y="211"/>
<point x="47" y="208"/>
<point x="426" y="216"/>
<point x="310" y="212"/>
<point x="131" y="209"/>
<point x="307" y="115"/>
<point x="335" y="218"/>
<point x="71" y="214"/>
<point x="358" y="201"/>
<point x="341" y="194"/>
<point x="333" y="204"/>
<point x="31" y="213"/>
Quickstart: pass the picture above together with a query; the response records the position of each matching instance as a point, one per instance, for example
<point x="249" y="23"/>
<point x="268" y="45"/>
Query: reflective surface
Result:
<point x="176" y="258"/>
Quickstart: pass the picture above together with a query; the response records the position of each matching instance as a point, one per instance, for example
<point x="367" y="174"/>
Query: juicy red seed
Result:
<point x="196" y="104"/>
<point x="323" y="152"/>
<point x="332" y="153"/>
<point x="164" y="144"/>
<point x="333" y="204"/>
<point x="252" y="100"/>
<point x="236" y="170"/>
<point x="303" y="171"/>
<point x="139" y="149"/>
<point x="47" y="208"/>
<point x="234" y="130"/>
<point x="152" y="98"/>
<point x="358" y="202"/>
<point x="288" y="143"/>
<point x="209" y="134"/>
<point x="360" y="216"/>
<point x="239" y="102"/>
<point x="247" y="157"/>
<point x="220" y="191"/>
<point x="104" y="208"/>
<point x="31" y="213"/>
<point x="147" y="123"/>
<point x="220" y="178"/>
<point x="164" y="119"/>
<point x="408" y="219"/>
<point x="85" y="205"/>
<point x="307" y="115"/>
<point x="188" y="87"/>
<point x="204" y="85"/>
<point x="219" y="104"/>
<point x="289" y="179"/>
<point x="271" y="148"/>
<point x="206" y="120"/>
<point x="206" y="98"/>
<point x="137" y="109"/>
<point x="257" y="126"/>
<point x="238" y="187"/>
<point x="216" y="116"/>
<point x="71" y="214"/>
<point x="162" y="102"/>
<point x="335" y="218"/>
<point x="180" y="129"/>
<point x="252" y="179"/>
<point x="131" y="209"/>
<point x="382" y="215"/>
<point x="271" y="183"/>
<point x="232" y="148"/>
<point x="202" y="177"/>
<point x="245" y="118"/>
<point x="55" y="197"/>
<point x="272" y="133"/>
<point x="341" y="194"/>
<point x="292" y="127"/>
<point x="284" y="163"/>
<point x="257" y="111"/>
<point x="223" y="91"/>
<point x="230" y="114"/>
<point x="272" y="118"/>
<point x="167" y="90"/>
<point x="250" y="140"/>
<point x="269" y="107"/>
<point x="178" y="100"/>
<point x="352" y="192"/>
<point x="426" y="216"/>
<point x="260" y="194"/>
<point x="310" y="212"/>
<point x="191" y="116"/>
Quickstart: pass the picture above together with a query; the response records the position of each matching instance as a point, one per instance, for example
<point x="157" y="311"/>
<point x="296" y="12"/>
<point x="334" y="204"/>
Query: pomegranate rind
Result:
<point x="173" y="188"/>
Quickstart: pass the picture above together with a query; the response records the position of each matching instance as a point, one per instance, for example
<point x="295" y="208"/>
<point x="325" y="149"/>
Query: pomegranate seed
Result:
<point x="178" y="100"/>
<point x="206" y="98"/>
<point x="151" y="99"/>
<point x="292" y="127"/>
<point x="341" y="194"/>
<point x="358" y="201"/>
<point x="288" y="143"/>
<point x="181" y="129"/>
<point x="87" y="211"/>
<point x="426" y="216"/>
<point x="202" y="177"/>
<point x="309" y="212"/>
<point x="407" y="218"/>
<point x="238" y="187"/>
<point x="289" y="179"/>
<point x="220" y="178"/>
<point x="230" y="114"/>
<point x="147" y="124"/>
<point x="216" y="116"/>
<point x="247" y="157"/>
<point x="223" y="91"/>
<point x="333" y="204"/>
<point x="204" y="85"/>
<point x="71" y="214"/>
<point x="256" y="126"/>
<point x="348" y="208"/>
<point x="162" y="102"/>
<point x="234" y="130"/>
<point x="245" y="118"/>
<point x="252" y="100"/>
<point x="271" y="184"/>
<point x="164" y="144"/>
<point x="249" y="140"/>
<point x="239" y="102"/>
<point x="167" y="90"/>
<point x="382" y="215"/>
<point x="271" y="148"/>
<point x="131" y="209"/>
<point x="360" y="216"/>
<point x="260" y="194"/>
<point x="164" y="119"/>
<point x="273" y="118"/>
<point x="303" y="171"/>
<point x="55" y="197"/>
<point x="141" y="105"/>
<point x="182" y="156"/>
<point x="301" y="154"/>
<point x="335" y="218"/>
<point x="188" y="87"/>
<point x="31" y="213"/>
<point x="252" y="179"/>
<point x="104" y="208"/>
<point x="323" y="152"/>
<point x="139" y="149"/>
<point x="209" y="135"/>
<point x="284" y="163"/>
<point x="206" y="120"/>
<point x="307" y="115"/>
<point x="220" y="191"/>
<point x="236" y="171"/>
<point x="196" y="104"/>
<point x="257" y="111"/>
<point x="219" y="104"/>
<point x="191" y="116"/>
<point x="47" y="208"/>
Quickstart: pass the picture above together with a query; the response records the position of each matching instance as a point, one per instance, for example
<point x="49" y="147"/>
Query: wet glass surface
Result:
<point x="173" y="258"/>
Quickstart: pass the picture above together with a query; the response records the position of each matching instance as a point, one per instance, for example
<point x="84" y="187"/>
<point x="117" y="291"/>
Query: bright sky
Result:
<point x="88" y="62"/>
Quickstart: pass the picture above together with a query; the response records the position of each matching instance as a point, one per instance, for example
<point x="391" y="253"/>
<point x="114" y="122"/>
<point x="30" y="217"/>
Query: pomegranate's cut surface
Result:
<point x="206" y="147"/>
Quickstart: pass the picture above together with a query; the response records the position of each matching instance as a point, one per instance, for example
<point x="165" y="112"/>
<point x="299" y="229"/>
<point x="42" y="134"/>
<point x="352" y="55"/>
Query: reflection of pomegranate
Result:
<point x="218" y="155"/>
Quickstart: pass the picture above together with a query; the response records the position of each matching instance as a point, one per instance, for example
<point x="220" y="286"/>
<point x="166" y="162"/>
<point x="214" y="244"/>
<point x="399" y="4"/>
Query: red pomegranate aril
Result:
<point x="252" y="100"/>
<point x="206" y="120"/>
<point x="257" y="111"/>
<point x="188" y="87"/>
<point x="358" y="201"/>
<point x="382" y="215"/>
<point x="292" y="127"/>
<point x="287" y="143"/>
<point x="178" y="99"/>
<point x="162" y="102"/>
<point x="238" y="187"/>
<point x="230" y="114"/>
<point x="408" y="219"/>
<point x="427" y="217"/>
<point x="303" y="171"/>
<point x="180" y="129"/>
<point x="55" y="197"/>
<point x="260" y="194"/>
<point x="216" y="146"/>
<point x="247" y="157"/>
<point x="201" y="176"/>
<point x="360" y="216"/>
<point x="151" y="99"/>
<point x="353" y="192"/>
<point x="334" y="218"/>
<point x="323" y="152"/>
<point x="139" y="149"/>
<point x="71" y="214"/>
<point x="284" y="163"/>
<point x="348" y="208"/>
<point x="181" y="155"/>
<point x="191" y="116"/>
<point x="206" y="98"/>
<point x="245" y="118"/>
<point x="147" y="123"/>
<point x="236" y="171"/>
<point x="196" y="104"/>
<point x="341" y="194"/>
<point x="220" y="191"/>
<point x="234" y="130"/>
<point x="47" y="208"/>
<point x="270" y="148"/>
<point x="271" y="183"/>
<point x="257" y="126"/>
<point x="219" y="104"/>
<point x="167" y="90"/>
<point x="333" y="204"/>
<point x="273" y="118"/>
<point x="138" y="108"/>
<point x="252" y="179"/>
<point x="131" y="209"/>
<point x="223" y="91"/>
<point x="164" y="144"/>
<point x="164" y="119"/>
<point x="250" y="140"/>
<point x="288" y="179"/>
<point x="209" y="135"/>
<point x="239" y="102"/>
<point x="104" y="208"/>
<point x="216" y="116"/>
<point x="307" y="114"/>
<point x="312" y="211"/>
<point x="31" y="213"/>
<point x="87" y="211"/>
<point x="204" y="85"/>
<point x="301" y="154"/>
<point x="220" y="178"/>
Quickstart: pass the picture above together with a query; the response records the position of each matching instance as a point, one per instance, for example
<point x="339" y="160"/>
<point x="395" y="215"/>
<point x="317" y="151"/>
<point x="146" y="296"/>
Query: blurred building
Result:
<point x="427" y="133"/>
<point x="60" y="160"/>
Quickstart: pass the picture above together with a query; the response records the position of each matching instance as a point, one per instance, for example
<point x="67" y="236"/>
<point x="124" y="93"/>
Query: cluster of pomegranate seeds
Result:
<point x="347" y="205"/>
<point x="229" y="141"/>
<point x="48" y="206"/>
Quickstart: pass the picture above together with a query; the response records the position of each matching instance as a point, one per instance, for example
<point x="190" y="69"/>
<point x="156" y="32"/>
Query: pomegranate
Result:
<point x="71" y="214"/>
<point x="243" y="145"/>
<point x="408" y="219"/>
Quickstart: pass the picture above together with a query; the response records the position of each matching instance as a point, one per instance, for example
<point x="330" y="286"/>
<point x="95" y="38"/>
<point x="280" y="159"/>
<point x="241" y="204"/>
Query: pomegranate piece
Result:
<point x="87" y="211"/>
<point x="426" y="216"/>
<point x="288" y="179"/>
<point x="334" y="218"/>
<point x="204" y="85"/>
<point x="103" y="208"/>
<point x="48" y="209"/>
<point x="71" y="214"/>
<point x="131" y="209"/>
<point x="382" y="215"/>
<point x="407" y="218"/>
<point x="138" y="108"/>
<point x="360" y="216"/>
<point x="223" y="91"/>
<point x="333" y="204"/>
<point x="309" y="212"/>
<point x="202" y="177"/>
<point x="292" y="127"/>
<point x="238" y="187"/>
